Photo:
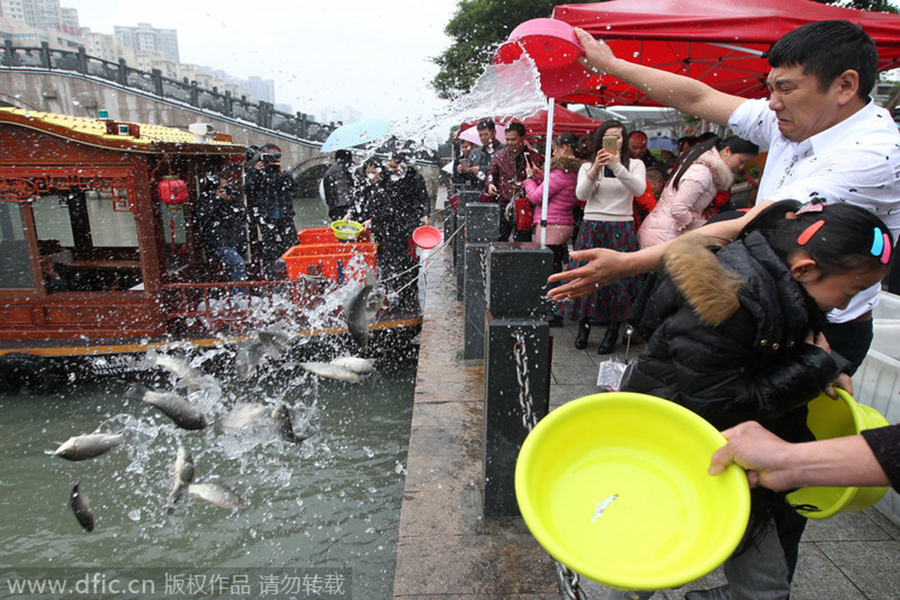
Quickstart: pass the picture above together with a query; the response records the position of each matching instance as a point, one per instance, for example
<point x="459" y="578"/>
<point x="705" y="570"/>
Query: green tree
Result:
<point x="477" y="28"/>
<point x="869" y="5"/>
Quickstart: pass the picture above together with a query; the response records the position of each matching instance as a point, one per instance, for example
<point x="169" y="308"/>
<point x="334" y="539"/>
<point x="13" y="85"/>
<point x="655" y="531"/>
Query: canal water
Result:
<point x="328" y="505"/>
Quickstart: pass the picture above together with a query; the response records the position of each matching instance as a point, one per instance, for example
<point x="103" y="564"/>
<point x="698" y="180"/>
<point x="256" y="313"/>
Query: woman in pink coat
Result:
<point x="706" y="168"/>
<point x="561" y="198"/>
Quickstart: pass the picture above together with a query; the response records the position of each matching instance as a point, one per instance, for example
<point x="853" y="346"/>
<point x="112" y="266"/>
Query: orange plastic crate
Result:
<point x="355" y="259"/>
<point x="325" y="235"/>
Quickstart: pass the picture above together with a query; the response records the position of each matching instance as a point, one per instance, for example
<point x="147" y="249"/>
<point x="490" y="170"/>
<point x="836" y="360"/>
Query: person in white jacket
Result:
<point x="704" y="170"/>
<point x="608" y="184"/>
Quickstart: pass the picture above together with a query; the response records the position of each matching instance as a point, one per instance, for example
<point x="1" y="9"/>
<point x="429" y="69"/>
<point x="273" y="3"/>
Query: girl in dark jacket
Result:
<point x="736" y="336"/>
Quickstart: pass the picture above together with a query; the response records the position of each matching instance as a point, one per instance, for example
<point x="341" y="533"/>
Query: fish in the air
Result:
<point x="79" y="503"/>
<point x="217" y="493"/>
<point x="355" y="363"/>
<point x="182" y="413"/>
<point x="361" y="308"/>
<point x="282" y="417"/>
<point x="182" y="477"/>
<point x="331" y="371"/>
<point x="83" y="447"/>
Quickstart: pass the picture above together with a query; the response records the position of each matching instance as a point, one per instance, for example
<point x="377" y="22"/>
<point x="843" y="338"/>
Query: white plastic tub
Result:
<point x="877" y="381"/>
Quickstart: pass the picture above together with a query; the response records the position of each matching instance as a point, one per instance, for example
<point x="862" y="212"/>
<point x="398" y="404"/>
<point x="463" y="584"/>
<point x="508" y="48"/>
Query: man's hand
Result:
<point x="759" y="451"/>
<point x="604" y="267"/>
<point x="492" y="189"/>
<point x="425" y="220"/>
<point x="598" y="57"/>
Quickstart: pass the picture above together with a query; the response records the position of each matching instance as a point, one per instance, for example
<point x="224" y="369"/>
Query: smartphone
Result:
<point x="611" y="144"/>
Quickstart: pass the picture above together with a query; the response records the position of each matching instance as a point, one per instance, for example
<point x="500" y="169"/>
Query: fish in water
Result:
<point x="182" y="477"/>
<point x="360" y="310"/>
<point x="285" y="425"/>
<point x="275" y="339"/>
<point x="81" y="508"/>
<point x="355" y="364"/>
<point x="173" y="406"/>
<point x="250" y="355"/>
<point x="324" y="369"/>
<point x="83" y="447"/>
<point x="243" y="416"/>
<point x="185" y="375"/>
<point x="217" y="493"/>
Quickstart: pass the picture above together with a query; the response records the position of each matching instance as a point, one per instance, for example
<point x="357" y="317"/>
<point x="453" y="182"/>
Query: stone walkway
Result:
<point x="447" y="550"/>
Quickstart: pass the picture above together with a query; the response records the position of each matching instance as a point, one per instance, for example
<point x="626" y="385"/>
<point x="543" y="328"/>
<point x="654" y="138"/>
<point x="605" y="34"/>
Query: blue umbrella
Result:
<point x="355" y="134"/>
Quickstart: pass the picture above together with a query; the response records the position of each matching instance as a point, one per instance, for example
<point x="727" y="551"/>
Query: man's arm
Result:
<point x="778" y="465"/>
<point x="606" y="266"/>
<point x="682" y="93"/>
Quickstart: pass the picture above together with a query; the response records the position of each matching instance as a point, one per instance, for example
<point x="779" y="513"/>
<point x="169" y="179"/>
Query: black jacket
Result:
<point x="338" y="184"/>
<point x="220" y="222"/>
<point x="728" y="337"/>
<point x="403" y="205"/>
<point x="270" y="194"/>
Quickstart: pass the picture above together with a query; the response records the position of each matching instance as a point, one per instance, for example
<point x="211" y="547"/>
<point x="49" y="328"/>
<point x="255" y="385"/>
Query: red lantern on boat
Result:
<point x="173" y="192"/>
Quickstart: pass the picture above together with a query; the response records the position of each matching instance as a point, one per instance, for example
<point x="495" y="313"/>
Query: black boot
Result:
<point x="609" y="340"/>
<point x="584" y="330"/>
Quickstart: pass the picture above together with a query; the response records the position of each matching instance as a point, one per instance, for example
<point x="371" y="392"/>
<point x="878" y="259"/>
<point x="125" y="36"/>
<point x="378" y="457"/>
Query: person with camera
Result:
<point x="270" y="192"/>
<point x="221" y="225"/>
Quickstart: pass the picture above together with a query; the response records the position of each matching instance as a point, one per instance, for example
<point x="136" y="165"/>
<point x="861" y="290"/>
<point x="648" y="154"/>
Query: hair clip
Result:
<point x="814" y="205"/>
<point x="881" y="246"/>
<point x="810" y="231"/>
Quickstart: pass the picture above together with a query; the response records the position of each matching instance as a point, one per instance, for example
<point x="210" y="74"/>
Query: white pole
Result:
<point x="547" y="153"/>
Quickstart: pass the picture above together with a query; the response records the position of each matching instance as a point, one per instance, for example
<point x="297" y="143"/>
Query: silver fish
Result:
<point x="182" y="477"/>
<point x="81" y="508"/>
<point x="250" y="355"/>
<point x="243" y="416"/>
<point x="275" y="339"/>
<point x="355" y="364"/>
<point x="323" y="369"/>
<point x="285" y="425"/>
<point x="185" y="375"/>
<point x="83" y="447"/>
<point x="358" y="314"/>
<point x="173" y="406"/>
<point x="216" y="493"/>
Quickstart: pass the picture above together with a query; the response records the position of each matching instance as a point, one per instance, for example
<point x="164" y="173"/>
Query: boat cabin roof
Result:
<point x="117" y="135"/>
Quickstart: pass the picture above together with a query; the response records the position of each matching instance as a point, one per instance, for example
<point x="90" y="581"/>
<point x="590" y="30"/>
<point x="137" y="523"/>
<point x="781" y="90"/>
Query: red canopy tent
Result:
<point x="563" y="120"/>
<point x="720" y="43"/>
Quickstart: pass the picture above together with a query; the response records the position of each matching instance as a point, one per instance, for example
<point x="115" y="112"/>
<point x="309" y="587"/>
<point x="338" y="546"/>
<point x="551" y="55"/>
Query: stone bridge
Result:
<point x="79" y="94"/>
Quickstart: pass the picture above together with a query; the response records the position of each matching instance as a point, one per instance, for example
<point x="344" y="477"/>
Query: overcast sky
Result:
<point x="371" y="55"/>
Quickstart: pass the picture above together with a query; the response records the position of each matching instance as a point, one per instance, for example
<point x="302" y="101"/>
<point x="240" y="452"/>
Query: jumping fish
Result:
<point x="355" y="364"/>
<point x="217" y="493"/>
<point x="182" y="477"/>
<point x="185" y="375"/>
<point x="250" y="355"/>
<point x="359" y="314"/>
<point x="81" y="508"/>
<point x="173" y="406"/>
<point x="275" y="339"/>
<point x="285" y="425"/>
<point x="242" y="417"/>
<point x="83" y="447"/>
<point x="323" y="369"/>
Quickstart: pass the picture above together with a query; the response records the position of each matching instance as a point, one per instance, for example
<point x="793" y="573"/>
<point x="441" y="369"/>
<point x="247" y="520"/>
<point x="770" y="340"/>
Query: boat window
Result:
<point x="87" y="241"/>
<point x="15" y="266"/>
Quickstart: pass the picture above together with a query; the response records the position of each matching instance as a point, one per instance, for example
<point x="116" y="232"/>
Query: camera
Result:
<point x="272" y="161"/>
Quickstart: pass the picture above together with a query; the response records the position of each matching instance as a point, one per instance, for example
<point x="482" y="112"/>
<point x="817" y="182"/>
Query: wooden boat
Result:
<point x="94" y="263"/>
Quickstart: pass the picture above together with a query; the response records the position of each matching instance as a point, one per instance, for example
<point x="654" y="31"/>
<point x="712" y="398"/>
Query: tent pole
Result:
<point x="547" y="154"/>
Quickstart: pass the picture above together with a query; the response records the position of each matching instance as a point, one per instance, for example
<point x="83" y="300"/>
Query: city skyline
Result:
<point x="375" y="59"/>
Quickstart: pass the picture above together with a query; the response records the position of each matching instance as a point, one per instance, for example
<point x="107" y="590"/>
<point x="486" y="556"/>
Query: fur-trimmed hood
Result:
<point x="710" y="289"/>
<point x="722" y="175"/>
<point x="569" y="164"/>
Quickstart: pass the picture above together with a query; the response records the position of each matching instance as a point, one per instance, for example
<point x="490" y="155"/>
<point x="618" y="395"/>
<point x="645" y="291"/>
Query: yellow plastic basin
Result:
<point x="830" y="419"/>
<point x="346" y="230"/>
<point x="614" y="486"/>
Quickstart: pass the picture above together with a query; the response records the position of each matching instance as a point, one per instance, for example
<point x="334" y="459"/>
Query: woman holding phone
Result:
<point x="608" y="184"/>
